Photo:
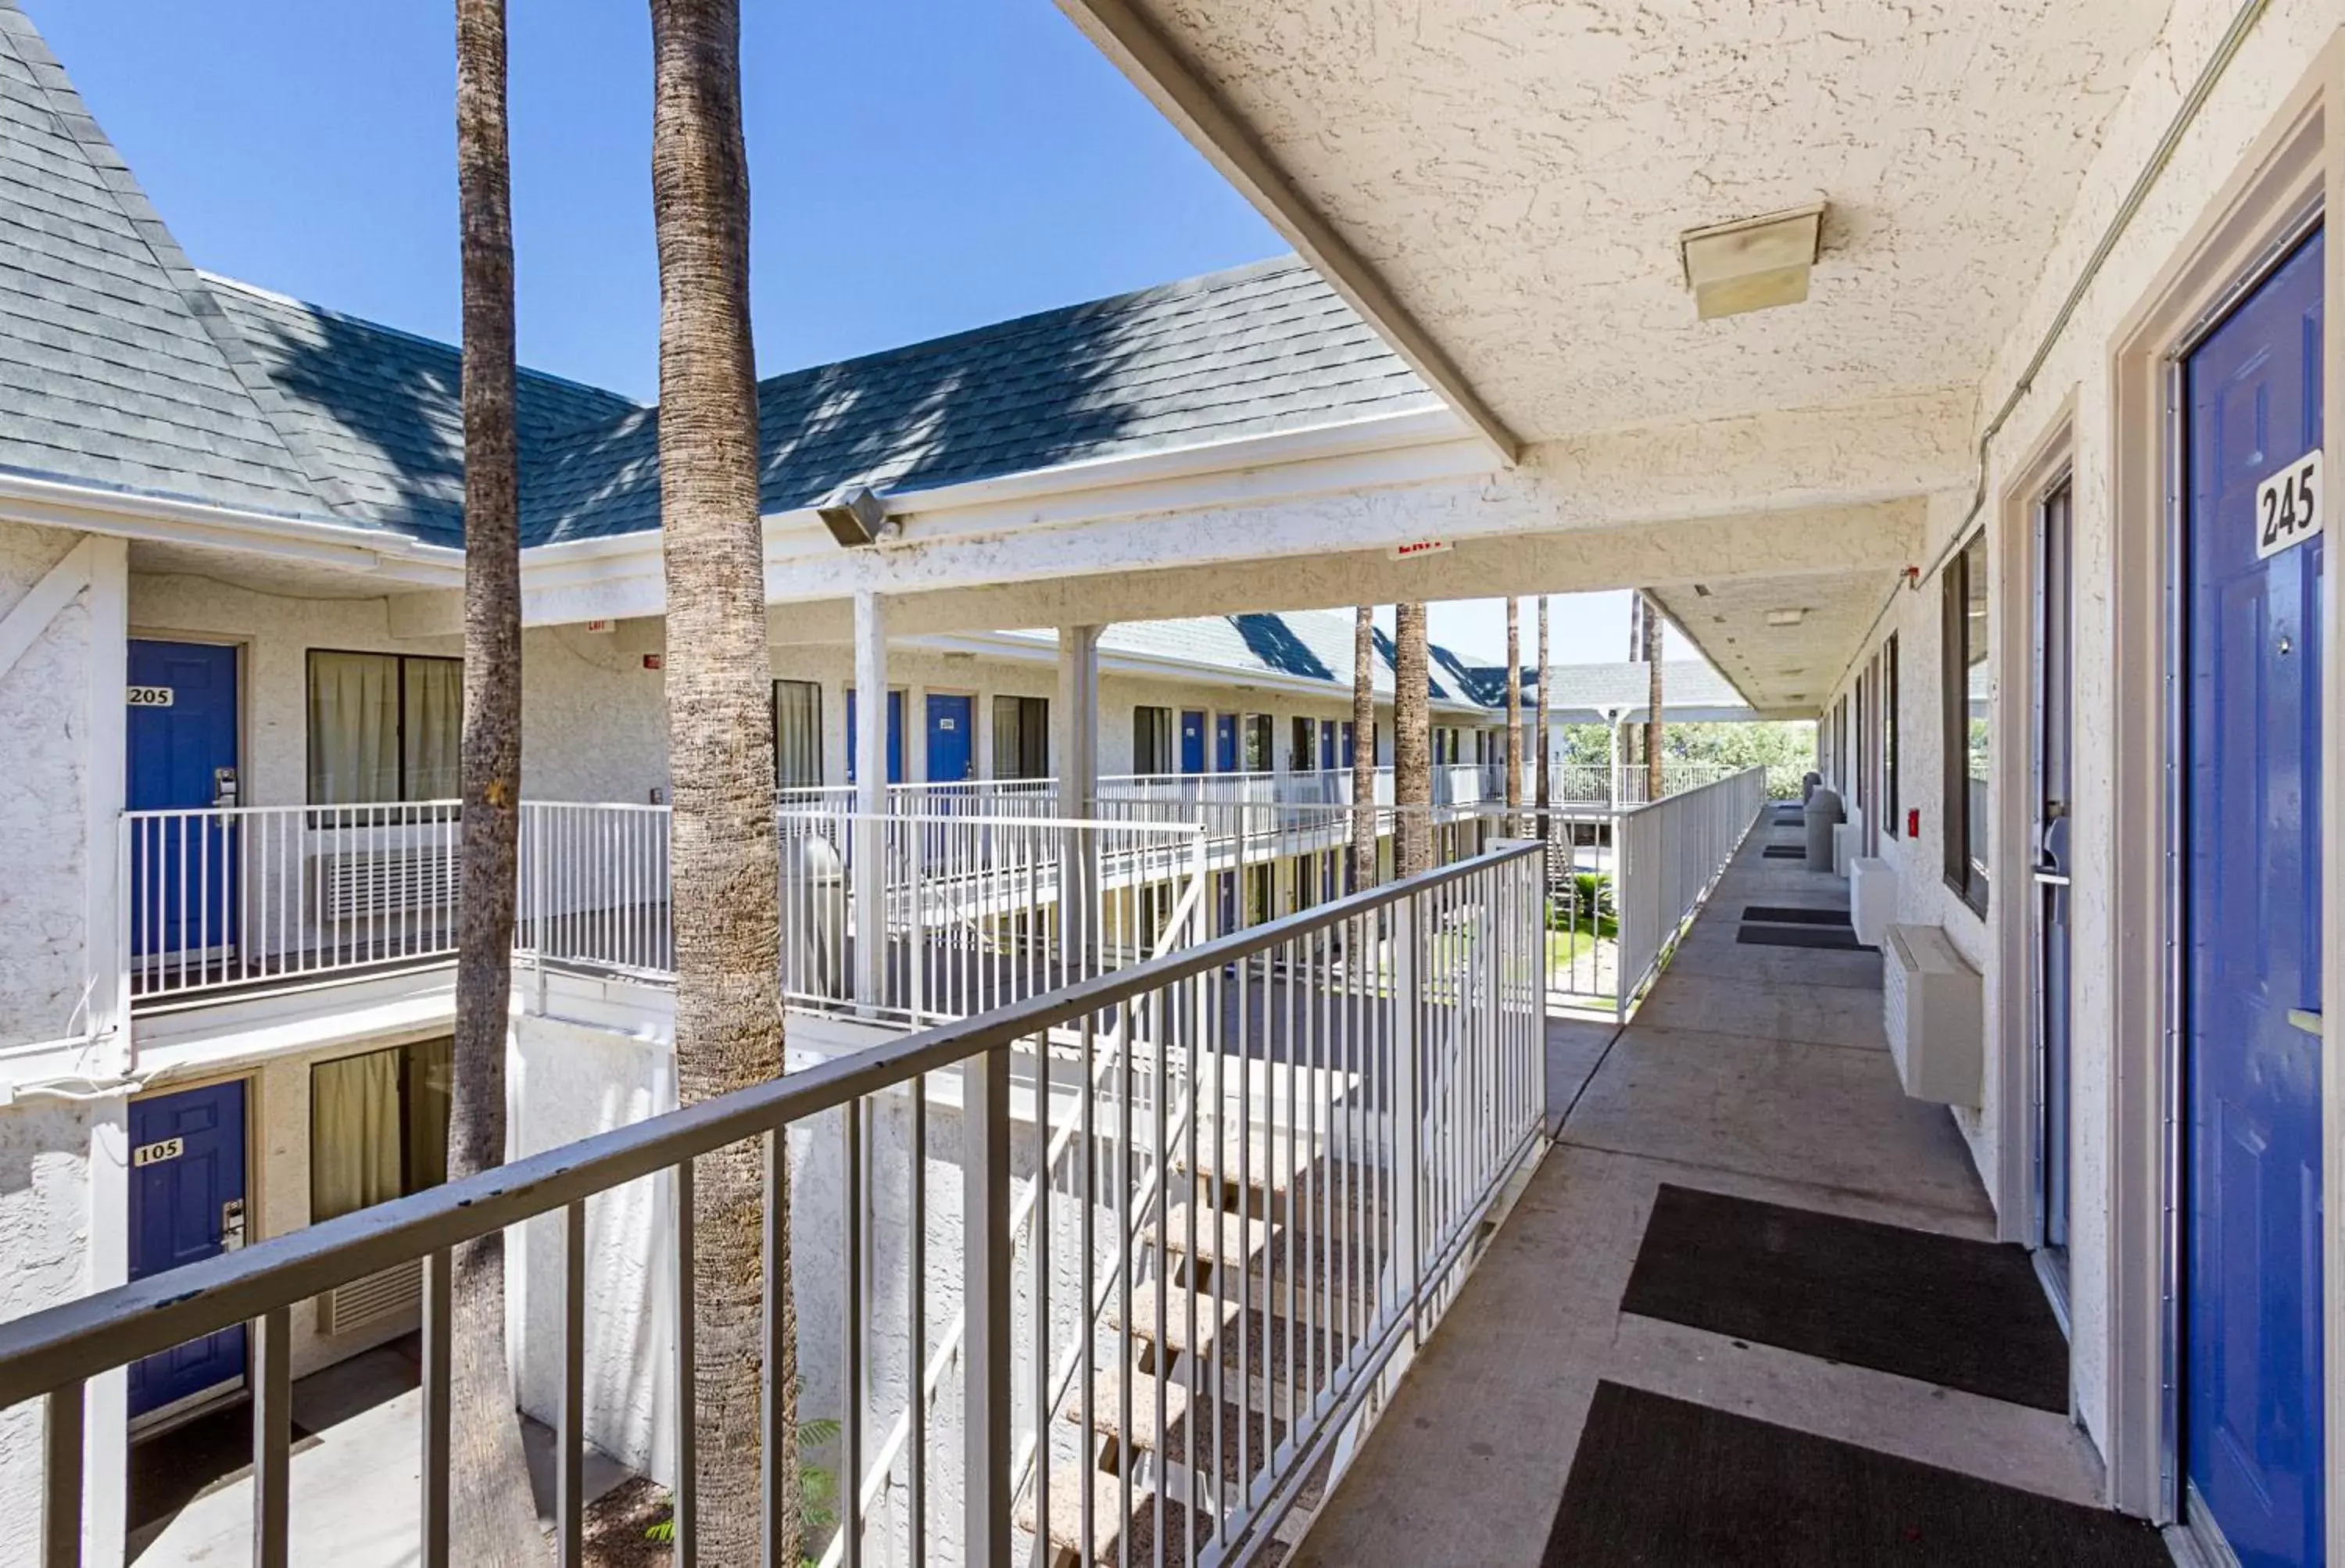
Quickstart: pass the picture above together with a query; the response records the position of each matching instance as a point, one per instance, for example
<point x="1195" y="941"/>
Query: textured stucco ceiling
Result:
<point x="1780" y="670"/>
<point x="1518" y="173"/>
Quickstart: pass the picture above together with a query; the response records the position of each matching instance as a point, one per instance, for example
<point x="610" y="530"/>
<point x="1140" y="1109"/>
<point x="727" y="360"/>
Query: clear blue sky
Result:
<point x="917" y="168"/>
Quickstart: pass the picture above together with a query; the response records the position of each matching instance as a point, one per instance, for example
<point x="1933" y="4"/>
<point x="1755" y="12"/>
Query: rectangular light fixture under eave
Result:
<point x="1753" y="263"/>
<point x="1792" y="618"/>
<point x="854" y="514"/>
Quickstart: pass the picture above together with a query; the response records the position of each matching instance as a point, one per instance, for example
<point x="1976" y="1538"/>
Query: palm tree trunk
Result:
<point x="723" y="859"/>
<point x="1514" y="717"/>
<point x="1653" y="699"/>
<point x="493" y="1518"/>
<point x="1412" y="742"/>
<point x="1363" y="748"/>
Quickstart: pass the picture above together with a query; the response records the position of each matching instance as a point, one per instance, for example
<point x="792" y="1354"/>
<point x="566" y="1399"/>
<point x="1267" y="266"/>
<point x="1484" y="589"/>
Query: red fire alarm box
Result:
<point x="654" y="661"/>
<point x="1914" y="822"/>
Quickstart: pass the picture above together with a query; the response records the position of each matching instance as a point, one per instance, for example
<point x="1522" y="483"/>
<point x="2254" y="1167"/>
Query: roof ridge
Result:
<point x="1198" y="283"/>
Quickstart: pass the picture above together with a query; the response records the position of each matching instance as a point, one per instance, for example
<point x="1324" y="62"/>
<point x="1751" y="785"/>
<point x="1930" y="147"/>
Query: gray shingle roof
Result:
<point x="115" y="369"/>
<point x="381" y="411"/>
<point x="119" y="366"/>
<point x="1308" y="645"/>
<point x="1258" y="348"/>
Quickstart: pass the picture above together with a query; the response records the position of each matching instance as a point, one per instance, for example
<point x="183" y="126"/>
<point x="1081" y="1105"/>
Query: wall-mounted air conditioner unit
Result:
<point x="1871" y="897"/>
<point x="389" y="881"/>
<point x="1932" y="1011"/>
<point x="395" y="1290"/>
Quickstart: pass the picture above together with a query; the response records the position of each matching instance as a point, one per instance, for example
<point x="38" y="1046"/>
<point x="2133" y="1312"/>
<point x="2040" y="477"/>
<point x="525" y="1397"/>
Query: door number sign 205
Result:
<point x="2288" y="506"/>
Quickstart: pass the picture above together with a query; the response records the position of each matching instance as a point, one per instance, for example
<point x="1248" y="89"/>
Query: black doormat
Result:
<point x="1839" y="936"/>
<point x="1783" y="914"/>
<point x="1962" y="1314"/>
<point x="1784" y="852"/>
<point x="1658" y="1481"/>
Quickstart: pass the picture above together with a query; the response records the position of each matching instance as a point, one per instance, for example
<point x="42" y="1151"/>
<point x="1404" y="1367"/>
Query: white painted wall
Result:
<point x="2075" y="387"/>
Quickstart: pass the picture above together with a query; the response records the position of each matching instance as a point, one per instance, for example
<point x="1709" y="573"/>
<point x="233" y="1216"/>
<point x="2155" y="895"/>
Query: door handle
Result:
<point x="2049" y="877"/>
<point x="2305" y="1018"/>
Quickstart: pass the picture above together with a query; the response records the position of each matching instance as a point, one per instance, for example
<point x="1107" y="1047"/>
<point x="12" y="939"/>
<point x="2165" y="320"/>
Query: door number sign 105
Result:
<point x="2288" y="506"/>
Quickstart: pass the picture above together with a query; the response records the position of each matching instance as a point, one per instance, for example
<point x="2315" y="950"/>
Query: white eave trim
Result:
<point x="1319" y="458"/>
<point x="58" y="504"/>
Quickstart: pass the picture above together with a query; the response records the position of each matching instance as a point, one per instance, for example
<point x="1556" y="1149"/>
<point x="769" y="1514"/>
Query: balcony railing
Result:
<point x="1256" y="1168"/>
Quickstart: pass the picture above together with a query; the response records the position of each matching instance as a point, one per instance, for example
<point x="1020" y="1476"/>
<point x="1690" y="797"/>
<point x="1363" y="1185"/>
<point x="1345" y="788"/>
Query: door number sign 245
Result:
<point x="2288" y="506"/>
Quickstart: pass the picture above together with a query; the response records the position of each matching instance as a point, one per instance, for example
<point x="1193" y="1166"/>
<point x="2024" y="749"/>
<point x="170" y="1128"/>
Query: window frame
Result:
<point x="1889" y="737"/>
<point x="1161" y="734"/>
<point x="1961" y="865"/>
<point x="1033" y="735"/>
<point x="821" y="771"/>
<point x="399" y="732"/>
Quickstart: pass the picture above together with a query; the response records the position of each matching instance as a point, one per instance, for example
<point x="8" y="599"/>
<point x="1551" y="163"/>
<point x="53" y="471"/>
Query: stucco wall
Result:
<point x="46" y="961"/>
<point x="45" y="1216"/>
<point x="2075" y="389"/>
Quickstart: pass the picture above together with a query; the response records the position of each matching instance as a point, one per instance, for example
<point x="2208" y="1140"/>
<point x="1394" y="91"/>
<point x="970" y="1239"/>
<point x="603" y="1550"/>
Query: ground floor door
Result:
<point x="2253" y="558"/>
<point x="181" y="730"/>
<point x="953" y="737"/>
<point x="186" y="1204"/>
<point x="2049" y="890"/>
<point x="1193" y="740"/>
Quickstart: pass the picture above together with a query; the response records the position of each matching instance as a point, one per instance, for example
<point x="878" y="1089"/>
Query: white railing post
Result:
<point x="987" y="1435"/>
<point x="1408" y="1067"/>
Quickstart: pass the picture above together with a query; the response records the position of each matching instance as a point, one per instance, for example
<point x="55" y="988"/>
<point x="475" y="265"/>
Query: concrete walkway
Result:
<point x="1754" y="1071"/>
<point x="356" y="1482"/>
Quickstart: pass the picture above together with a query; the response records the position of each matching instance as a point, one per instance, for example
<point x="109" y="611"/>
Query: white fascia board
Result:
<point x="803" y="561"/>
<point x="56" y="504"/>
<point x="1130" y="662"/>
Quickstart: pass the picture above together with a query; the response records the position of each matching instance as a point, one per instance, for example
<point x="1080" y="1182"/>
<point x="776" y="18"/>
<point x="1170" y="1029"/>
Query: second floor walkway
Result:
<point x="1747" y="1310"/>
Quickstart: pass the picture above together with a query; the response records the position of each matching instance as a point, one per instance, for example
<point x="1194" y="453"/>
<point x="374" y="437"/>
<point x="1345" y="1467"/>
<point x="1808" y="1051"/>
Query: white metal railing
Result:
<point x="1366" y="1078"/>
<point x="966" y="913"/>
<point x="1671" y="855"/>
<point x="229" y="896"/>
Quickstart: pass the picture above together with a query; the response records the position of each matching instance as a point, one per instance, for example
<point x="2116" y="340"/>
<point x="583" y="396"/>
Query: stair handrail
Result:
<point x="875" y="1482"/>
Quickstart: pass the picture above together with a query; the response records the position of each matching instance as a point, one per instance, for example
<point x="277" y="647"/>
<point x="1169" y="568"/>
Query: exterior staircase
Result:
<point x="1193" y="1368"/>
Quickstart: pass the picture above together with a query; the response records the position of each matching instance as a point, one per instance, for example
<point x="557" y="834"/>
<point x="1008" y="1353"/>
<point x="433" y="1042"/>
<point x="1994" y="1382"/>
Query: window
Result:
<point x="1152" y="740"/>
<point x="797" y="734"/>
<point x="1889" y="823"/>
<point x="1966" y="695"/>
<point x="1021" y="737"/>
<point x="1256" y="731"/>
<point x="384" y="727"/>
<point x="378" y="1126"/>
<point x="1301" y="749"/>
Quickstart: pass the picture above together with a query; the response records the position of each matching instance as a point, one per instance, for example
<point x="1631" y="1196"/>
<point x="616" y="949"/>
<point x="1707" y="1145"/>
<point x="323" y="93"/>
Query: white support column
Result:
<point x="1074" y="734"/>
<point x="1075" y="719"/>
<point x="870" y="797"/>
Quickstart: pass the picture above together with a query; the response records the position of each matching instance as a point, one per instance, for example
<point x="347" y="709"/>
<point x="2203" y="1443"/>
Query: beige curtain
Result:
<point x="355" y="1153"/>
<point x="797" y="734"/>
<point x="431" y="1069"/>
<point x="435" y="724"/>
<point x="353" y="728"/>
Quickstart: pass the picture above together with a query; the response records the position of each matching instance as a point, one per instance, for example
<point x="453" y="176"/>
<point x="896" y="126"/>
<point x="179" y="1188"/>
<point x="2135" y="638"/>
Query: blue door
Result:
<point x="2252" y="1416"/>
<point x="1329" y="736"/>
<point x="895" y="736"/>
<point x="186" y="1204"/>
<point x="1225" y="743"/>
<point x="182" y="735"/>
<point x="952" y="751"/>
<point x="1193" y="740"/>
